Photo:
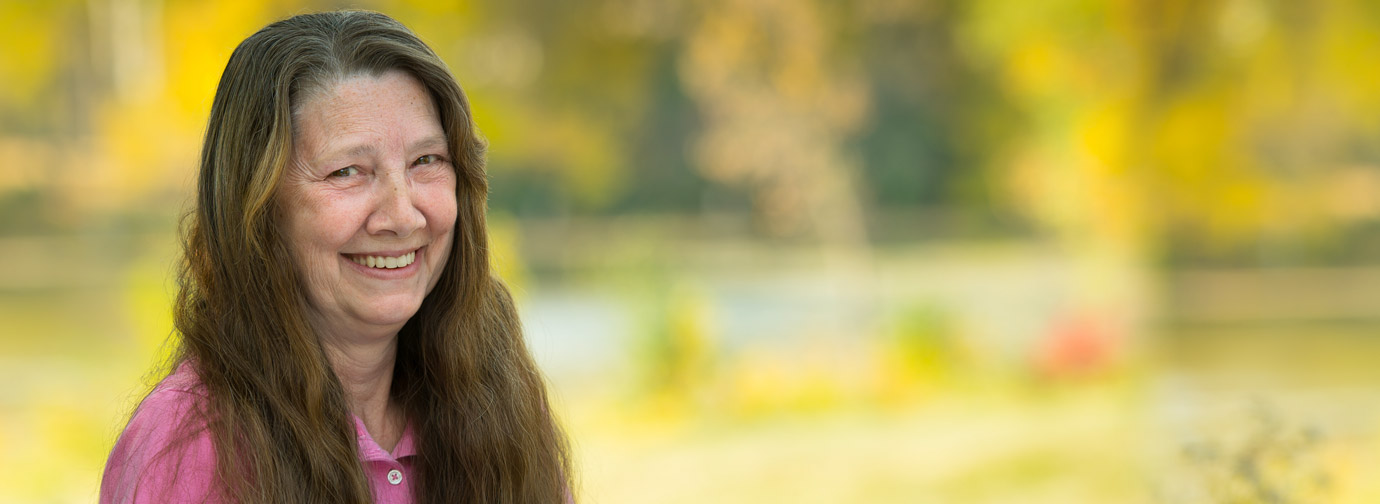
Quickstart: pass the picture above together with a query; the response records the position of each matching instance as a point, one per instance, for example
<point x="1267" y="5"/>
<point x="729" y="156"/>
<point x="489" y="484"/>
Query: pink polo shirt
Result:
<point x="147" y="465"/>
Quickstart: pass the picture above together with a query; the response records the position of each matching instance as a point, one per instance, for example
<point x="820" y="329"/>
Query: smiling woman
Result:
<point x="342" y="338"/>
<point x="355" y="231"/>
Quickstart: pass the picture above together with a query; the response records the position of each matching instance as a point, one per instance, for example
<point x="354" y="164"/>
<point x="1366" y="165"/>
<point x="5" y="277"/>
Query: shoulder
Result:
<point x="165" y="453"/>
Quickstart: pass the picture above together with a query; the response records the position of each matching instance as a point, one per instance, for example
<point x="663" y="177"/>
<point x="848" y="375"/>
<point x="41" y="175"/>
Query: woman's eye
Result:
<point x="344" y="172"/>
<point x="427" y="159"/>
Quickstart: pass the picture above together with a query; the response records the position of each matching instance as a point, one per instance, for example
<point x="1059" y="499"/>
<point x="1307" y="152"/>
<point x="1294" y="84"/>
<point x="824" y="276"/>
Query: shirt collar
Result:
<point x="369" y="449"/>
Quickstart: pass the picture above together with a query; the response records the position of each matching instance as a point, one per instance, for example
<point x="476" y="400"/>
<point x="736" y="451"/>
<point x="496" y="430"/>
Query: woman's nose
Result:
<point x="396" y="211"/>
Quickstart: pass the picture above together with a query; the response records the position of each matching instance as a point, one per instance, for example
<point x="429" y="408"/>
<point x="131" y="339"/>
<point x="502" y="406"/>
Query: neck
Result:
<point x="365" y="370"/>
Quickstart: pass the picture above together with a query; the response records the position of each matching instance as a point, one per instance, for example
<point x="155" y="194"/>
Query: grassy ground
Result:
<point x="1068" y="446"/>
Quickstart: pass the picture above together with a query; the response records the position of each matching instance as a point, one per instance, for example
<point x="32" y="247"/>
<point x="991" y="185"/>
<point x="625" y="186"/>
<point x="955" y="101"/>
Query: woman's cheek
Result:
<point x="442" y="203"/>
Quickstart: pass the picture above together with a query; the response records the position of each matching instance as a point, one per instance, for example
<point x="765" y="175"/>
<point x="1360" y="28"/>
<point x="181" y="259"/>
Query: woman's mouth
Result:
<point x="384" y="262"/>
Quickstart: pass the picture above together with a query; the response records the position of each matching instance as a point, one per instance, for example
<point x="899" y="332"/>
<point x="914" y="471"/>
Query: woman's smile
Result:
<point x="386" y="265"/>
<point x="384" y="260"/>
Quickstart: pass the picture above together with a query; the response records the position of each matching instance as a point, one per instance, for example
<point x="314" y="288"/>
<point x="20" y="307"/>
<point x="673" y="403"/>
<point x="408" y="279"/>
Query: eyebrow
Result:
<point x="361" y="150"/>
<point x="429" y="142"/>
<point x="367" y="149"/>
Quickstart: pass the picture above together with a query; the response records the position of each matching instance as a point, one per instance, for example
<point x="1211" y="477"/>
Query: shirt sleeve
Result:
<point x="160" y="457"/>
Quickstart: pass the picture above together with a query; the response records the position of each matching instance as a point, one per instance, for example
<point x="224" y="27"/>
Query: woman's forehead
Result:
<point x="359" y="86"/>
<point x="359" y="112"/>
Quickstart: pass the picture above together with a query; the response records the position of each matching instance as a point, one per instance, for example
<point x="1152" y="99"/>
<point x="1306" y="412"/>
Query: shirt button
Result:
<point x="395" y="476"/>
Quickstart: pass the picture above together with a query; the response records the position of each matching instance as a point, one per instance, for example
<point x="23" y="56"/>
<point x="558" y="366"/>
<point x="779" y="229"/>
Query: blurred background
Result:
<point x="797" y="250"/>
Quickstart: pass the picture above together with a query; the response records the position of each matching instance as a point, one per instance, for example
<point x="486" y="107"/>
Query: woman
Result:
<point x="342" y="336"/>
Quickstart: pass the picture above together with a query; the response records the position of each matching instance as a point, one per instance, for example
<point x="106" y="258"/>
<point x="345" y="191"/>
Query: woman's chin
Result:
<point x="394" y="318"/>
<point x="388" y="313"/>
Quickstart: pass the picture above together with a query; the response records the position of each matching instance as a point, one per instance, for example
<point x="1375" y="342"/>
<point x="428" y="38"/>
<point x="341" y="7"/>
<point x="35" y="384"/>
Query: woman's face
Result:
<point x="370" y="203"/>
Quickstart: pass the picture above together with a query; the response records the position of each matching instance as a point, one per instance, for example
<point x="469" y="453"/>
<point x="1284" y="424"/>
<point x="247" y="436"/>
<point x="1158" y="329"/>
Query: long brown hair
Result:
<point x="275" y="410"/>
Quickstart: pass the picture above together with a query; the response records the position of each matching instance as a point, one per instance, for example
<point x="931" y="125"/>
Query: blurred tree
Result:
<point x="560" y="91"/>
<point x="1185" y="128"/>
<point x="35" y="51"/>
<point x="779" y="95"/>
<point x="937" y="126"/>
<point x="1234" y="128"/>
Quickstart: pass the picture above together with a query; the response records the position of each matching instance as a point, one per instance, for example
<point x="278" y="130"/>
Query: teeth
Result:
<point x="383" y="262"/>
